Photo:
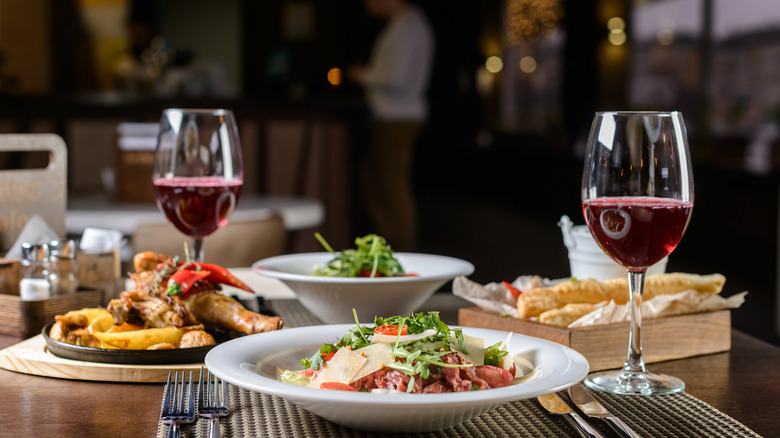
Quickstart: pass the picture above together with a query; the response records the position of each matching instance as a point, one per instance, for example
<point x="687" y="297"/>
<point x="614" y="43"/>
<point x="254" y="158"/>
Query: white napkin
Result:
<point x="494" y="297"/>
<point x="688" y="301"/>
<point x="36" y="231"/>
<point x="99" y="240"/>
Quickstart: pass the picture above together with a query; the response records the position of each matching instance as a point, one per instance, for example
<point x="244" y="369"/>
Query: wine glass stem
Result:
<point x="197" y="249"/>
<point x="636" y="283"/>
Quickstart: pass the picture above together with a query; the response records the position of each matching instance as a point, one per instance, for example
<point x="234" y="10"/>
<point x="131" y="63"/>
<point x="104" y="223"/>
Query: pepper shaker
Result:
<point x="63" y="267"/>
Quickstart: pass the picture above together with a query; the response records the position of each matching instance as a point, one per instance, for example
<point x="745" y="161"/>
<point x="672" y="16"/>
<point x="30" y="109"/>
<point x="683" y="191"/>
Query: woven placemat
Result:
<point x="680" y="415"/>
<point x="262" y="415"/>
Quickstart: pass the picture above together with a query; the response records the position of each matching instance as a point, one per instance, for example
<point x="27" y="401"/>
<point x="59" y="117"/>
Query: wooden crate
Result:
<point x="27" y="318"/>
<point x="605" y="346"/>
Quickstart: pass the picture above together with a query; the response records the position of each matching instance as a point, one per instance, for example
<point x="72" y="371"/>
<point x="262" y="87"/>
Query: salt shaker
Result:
<point x="63" y="267"/>
<point x="34" y="283"/>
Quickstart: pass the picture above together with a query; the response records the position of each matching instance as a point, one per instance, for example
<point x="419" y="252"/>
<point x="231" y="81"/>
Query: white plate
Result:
<point x="234" y="361"/>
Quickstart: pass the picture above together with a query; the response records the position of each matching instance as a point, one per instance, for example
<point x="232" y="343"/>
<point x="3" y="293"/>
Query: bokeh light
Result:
<point x="616" y="23"/>
<point x="617" y="31"/>
<point x="528" y="64"/>
<point x="335" y="76"/>
<point x="494" y="64"/>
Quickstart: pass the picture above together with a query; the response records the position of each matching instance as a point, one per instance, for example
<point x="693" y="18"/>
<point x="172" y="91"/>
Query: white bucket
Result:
<point x="588" y="260"/>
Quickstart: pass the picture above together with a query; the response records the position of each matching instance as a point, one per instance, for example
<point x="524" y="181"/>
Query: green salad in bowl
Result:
<point x="371" y="257"/>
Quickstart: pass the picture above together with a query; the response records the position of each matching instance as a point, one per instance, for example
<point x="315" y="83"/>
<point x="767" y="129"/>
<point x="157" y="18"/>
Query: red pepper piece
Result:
<point x="185" y="280"/>
<point x="222" y="275"/>
<point x="516" y="292"/>
<point x="218" y="273"/>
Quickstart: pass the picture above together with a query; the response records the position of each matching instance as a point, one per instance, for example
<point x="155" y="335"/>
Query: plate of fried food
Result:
<point x="174" y="314"/>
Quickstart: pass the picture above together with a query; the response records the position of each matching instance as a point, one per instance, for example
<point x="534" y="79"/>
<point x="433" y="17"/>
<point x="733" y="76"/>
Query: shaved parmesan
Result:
<point x="475" y="347"/>
<point x="342" y="367"/>
<point x="507" y="361"/>
<point x="377" y="356"/>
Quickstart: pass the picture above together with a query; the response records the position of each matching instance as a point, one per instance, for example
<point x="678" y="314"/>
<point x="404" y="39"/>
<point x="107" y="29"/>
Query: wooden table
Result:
<point x="743" y="383"/>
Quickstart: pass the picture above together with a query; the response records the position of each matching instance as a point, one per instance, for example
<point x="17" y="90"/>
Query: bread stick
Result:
<point x="534" y="302"/>
<point x="566" y="314"/>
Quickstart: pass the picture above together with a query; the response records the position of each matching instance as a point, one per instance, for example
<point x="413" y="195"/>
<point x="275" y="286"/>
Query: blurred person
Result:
<point x="395" y="81"/>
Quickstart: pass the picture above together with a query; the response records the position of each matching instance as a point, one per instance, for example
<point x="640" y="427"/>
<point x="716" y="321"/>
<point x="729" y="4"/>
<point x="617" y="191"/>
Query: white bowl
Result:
<point x="333" y="298"/>
<point x="250" y="362"/>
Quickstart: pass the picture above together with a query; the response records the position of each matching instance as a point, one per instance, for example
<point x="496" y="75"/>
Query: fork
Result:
<point x="208" y="403"/>
<point x="173" y="410"/>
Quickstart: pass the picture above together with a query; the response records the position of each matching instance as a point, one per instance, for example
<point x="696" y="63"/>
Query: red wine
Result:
<point x="637" y="232"/>
<point x="197" y="206"/>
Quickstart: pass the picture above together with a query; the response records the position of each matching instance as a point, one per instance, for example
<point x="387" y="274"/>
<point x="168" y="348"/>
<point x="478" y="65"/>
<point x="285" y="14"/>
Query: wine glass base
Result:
<point x="634" y="383"/>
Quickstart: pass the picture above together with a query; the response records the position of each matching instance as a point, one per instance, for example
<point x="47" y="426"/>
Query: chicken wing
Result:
<point x="220" y="310"/>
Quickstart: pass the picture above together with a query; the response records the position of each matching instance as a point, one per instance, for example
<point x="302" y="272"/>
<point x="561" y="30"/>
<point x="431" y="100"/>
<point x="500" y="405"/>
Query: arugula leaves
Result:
<point x="372" y="257"/>
<point x="315" y="361"/>
<point x="494" y="354"/>
<point x="417" y="323"/>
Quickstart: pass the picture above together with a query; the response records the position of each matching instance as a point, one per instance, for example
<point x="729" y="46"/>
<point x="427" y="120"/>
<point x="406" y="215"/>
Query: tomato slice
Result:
<point x="390" y="329"/>
<point x="367" y="273"/>
<point x="338" y="386"/>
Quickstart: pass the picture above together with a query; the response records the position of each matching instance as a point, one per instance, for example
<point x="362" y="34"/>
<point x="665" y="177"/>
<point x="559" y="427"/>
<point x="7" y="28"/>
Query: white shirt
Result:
<point x="397" y="76"/>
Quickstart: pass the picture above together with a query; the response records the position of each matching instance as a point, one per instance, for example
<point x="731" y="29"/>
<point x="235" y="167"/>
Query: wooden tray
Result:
<point x="32" y="357"/>
<point x="605" y="346"/>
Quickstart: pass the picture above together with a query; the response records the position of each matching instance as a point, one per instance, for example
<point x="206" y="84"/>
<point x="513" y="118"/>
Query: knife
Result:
<point x="592" y="408"/>
<point x="554" y="404"/>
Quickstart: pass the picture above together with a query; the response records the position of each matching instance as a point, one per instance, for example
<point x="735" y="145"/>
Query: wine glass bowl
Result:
<point x="637" y="199"/>
<point x="198" y="171"/>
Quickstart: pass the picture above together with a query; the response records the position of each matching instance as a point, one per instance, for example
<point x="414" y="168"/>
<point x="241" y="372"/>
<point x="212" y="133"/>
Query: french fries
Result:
<point x="101" y="323"/>
<point x="103" y="333"/>
<point x="141" y="339"/>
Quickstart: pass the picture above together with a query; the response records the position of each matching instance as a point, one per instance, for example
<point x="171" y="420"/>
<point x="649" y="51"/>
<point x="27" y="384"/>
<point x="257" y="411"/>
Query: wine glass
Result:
<point x="198" y="171"/>
<point x="637" y="198"/>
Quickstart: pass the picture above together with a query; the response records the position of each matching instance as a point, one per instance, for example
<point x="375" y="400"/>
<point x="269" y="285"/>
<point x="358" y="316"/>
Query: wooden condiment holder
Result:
<point x="9" y="276"/>
<point x="27" y="318"/>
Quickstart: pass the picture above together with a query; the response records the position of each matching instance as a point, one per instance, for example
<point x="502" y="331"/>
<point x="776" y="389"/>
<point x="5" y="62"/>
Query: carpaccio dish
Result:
<point x="414" y="354"/>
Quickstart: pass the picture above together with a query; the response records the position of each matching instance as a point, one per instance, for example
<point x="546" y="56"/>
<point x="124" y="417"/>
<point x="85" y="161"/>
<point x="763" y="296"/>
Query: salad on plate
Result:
<point x="414" y="354"/>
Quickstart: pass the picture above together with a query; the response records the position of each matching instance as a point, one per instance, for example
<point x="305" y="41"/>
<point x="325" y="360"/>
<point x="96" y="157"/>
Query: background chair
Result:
<point x="238" y="244"/>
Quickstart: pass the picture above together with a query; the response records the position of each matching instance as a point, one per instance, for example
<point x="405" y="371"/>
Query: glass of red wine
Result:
<point x="198" y="171"/>
<point x="637" y="198"/>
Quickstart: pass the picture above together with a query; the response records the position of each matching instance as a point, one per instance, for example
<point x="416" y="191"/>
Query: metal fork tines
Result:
<point x="210" y="403"/>
<point x="178" y="403"/>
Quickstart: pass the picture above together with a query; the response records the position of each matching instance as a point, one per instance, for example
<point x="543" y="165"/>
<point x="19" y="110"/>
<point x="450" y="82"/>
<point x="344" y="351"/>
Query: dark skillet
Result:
<point x="127" y="357"/>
